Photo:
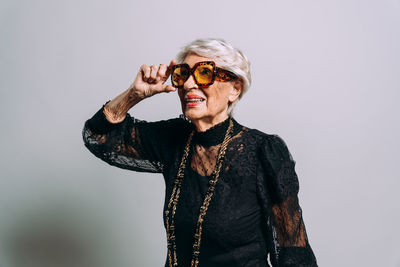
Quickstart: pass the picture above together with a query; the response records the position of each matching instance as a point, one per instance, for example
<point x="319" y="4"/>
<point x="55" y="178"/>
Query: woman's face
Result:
<point x="214" y="99"/>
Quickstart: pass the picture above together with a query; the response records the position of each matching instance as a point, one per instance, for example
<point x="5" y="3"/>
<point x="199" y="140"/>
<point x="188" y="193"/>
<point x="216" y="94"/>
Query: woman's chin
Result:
<point x="193" y="114"/>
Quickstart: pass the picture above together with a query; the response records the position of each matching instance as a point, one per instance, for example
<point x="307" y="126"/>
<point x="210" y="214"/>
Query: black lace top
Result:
<point x="254" y="211"/>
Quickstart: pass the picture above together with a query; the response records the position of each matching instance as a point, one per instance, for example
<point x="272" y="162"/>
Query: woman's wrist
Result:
<point x="112" y="116"/>
<point x="116" y="109"/>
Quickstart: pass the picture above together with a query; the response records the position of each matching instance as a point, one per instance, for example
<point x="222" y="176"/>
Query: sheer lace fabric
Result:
<point x="255" y="210"/>
<point x="204" y="159"/>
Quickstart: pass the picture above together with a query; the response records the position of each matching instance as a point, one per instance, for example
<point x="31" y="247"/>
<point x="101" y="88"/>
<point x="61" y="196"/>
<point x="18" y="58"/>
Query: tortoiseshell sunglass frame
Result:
<point x="219" y="74"/>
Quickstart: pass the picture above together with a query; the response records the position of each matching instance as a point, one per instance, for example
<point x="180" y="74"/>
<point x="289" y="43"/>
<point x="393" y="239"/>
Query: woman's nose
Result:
<point x="190" y="83"/>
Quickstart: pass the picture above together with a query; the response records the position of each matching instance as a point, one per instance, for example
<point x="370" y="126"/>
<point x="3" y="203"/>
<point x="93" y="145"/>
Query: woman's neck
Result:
<point x="214" y="135"/>
<point x="204" y="124"/>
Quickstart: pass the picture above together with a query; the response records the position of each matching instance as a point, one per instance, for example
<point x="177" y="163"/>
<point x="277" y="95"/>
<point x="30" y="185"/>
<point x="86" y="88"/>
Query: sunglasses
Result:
<point x="204" y="74"/>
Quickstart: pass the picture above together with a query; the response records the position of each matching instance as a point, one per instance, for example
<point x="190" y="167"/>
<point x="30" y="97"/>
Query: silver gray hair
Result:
<point x="224" y="55"/>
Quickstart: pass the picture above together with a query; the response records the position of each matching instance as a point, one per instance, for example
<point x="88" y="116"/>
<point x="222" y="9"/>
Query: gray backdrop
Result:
<point x="326" y="78"/>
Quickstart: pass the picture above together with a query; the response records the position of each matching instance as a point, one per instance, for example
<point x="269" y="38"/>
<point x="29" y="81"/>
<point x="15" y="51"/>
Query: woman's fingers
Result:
<point x="166" y="71"/>
<point x="151" y="78"/>
<point x="162" y="72"/>
<point x="153" y="74"/>
<point x="168" y="88"/>
<point x="146" y="72"/>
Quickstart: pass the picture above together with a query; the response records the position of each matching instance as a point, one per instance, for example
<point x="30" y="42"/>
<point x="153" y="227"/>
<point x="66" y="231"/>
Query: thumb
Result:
<point x="168" y="88"/>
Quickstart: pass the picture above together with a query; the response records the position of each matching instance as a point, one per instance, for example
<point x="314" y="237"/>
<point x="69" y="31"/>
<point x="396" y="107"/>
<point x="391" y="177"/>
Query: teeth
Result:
<point x="194" y="100"/>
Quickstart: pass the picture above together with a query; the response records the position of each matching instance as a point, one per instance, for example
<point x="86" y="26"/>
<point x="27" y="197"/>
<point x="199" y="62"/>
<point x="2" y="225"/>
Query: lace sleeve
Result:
<point x="286" y="234"/>
<point x="131" y="144"/>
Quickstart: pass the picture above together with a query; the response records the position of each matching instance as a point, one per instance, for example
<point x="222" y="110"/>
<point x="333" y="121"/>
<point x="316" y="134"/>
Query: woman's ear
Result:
<point x="236" y="90"/>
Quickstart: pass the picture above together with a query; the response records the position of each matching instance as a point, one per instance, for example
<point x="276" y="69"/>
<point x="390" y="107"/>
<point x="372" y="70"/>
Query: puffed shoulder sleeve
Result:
<point x="132" y="144"/>
<point x="278" y="192"/>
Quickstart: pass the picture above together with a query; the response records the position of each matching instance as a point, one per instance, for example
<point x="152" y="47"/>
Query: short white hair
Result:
<point x="224" y="55"/>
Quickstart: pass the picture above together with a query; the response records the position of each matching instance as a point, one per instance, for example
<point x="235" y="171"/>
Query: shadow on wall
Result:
<point x="56" y="235"/>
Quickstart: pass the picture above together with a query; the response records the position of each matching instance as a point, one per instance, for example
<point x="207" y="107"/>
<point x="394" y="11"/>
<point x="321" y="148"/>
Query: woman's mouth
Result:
<point x="193" y="100"/>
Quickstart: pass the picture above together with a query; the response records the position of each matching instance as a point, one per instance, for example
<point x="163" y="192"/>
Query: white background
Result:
<point x="326" y="78"/>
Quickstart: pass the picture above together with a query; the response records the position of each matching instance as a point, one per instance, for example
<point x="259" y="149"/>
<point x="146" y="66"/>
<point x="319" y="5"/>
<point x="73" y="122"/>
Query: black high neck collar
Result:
<point x="216" y="134"/>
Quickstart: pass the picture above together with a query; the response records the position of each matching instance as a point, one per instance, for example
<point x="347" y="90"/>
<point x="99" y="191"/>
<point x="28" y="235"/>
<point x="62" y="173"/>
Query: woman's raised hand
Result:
<point x="150" y="80"/>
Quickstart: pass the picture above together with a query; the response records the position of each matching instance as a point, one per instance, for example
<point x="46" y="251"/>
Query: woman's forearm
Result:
<point x="115" y="110"/>
<point x="148" y="82"/>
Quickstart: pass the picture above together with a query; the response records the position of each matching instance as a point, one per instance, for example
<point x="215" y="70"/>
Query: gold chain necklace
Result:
<point x="173" y="202"/>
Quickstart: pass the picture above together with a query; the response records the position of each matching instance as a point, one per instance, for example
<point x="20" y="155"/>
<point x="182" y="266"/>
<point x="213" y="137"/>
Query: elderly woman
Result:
<point x="231" y="192"/>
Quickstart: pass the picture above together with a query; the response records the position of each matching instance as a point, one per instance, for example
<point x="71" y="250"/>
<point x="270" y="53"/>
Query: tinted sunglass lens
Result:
<point x="204" y="74"/>
<point x="179" y="76"/>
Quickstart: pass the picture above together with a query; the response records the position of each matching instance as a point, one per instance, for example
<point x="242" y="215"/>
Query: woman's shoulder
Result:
<point x="270" y="143"/>
<point x="264" y="136"/>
